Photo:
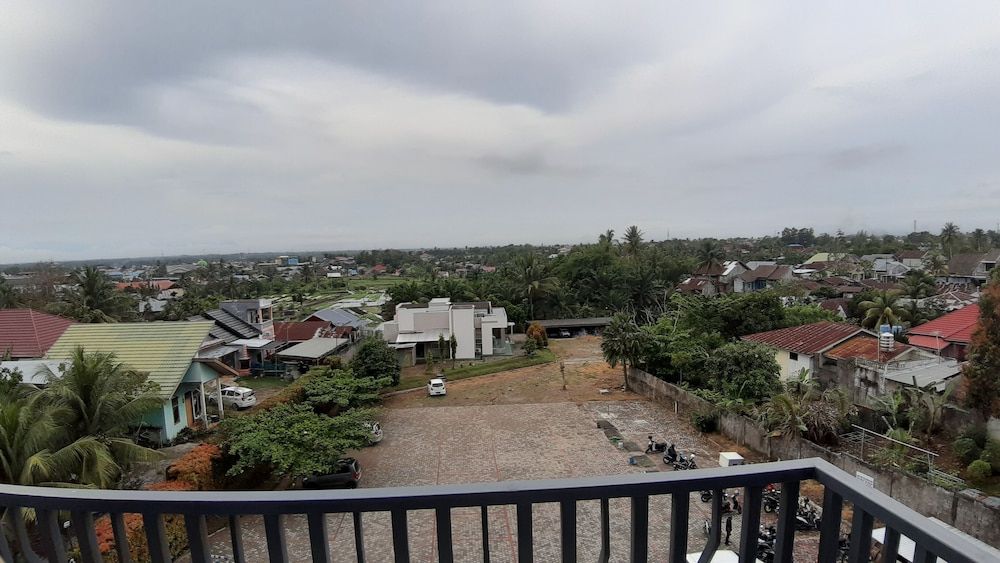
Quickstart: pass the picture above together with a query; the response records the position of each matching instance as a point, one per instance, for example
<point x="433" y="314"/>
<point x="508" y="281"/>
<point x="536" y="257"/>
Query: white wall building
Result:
<point x="480" y="329"/>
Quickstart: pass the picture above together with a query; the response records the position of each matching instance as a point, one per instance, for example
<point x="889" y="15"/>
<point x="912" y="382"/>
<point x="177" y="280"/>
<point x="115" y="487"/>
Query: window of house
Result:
<point x="175" y="403"/>
<point x="793" y="356"/>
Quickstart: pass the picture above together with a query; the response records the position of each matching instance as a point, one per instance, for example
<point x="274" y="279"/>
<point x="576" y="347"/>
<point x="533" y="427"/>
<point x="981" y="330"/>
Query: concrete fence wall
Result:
<point x="969" y="510"/>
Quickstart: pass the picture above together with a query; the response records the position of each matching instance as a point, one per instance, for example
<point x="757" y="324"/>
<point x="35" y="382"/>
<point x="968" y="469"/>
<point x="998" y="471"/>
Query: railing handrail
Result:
<point x="410" y="498"/>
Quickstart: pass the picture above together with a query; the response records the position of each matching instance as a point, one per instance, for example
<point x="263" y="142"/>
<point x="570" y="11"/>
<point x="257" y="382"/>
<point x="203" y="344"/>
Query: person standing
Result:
<point x="729" y="528"/>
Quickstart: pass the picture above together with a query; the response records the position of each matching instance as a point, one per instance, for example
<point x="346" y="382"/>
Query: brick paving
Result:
<point x="467" y="444"/>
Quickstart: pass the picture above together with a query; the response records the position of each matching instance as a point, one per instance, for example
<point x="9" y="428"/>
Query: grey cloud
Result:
<point x="859" y="157"/>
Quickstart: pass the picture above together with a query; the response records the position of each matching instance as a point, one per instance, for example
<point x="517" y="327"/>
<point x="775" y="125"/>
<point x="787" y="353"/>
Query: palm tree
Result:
<point x="607" y="238"/>
<point x="881" y="309"/>
<point x="94" y="298"/>
<point x="101" y="399"/>
<point x="949" y="236"/>
<point x="978" y="239"/>
<point x="623" y="342"/>
<point x="709" y="253"/>
<point x="534" y="280"/>
<point x="918" y="284"/>
<point x="804" y="409"/>
<point x="632" y="243"/>
<point x="936" y="265"/>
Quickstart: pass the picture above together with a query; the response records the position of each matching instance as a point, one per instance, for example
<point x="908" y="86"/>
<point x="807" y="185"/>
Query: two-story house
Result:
<point x="479" y="328"/>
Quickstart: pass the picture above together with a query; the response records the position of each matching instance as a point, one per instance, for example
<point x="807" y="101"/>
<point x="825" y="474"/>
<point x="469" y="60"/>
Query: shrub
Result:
<point x="374" y="358"/>
<point x="967" y="450"/>
<point x="705" y="421"/>
<point x="197" y="467"/>
<point x="991" y="455"/>
<point x="530" y="347"/>
<point x="977" y="433"/>
<point x="537" y="333"/>
<point x="979" y="471"/>
<point x="136" y="534"/>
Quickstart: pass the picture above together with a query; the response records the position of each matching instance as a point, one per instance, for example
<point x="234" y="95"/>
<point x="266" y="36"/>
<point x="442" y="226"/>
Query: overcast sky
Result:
<point x="145" y="128"/>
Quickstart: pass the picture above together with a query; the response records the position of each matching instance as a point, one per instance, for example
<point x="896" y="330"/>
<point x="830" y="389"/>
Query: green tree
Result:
<point x="883" y="308"/>
<point x="982" y="371"/>
<point x="804" y="409"/>
<point x="978" y="239"/>
<point x="376" y="359"/>
<point x="632" y="242"/>
<point x="101" y="399"/>
<point x="534" y="280"/>
<point x="709" y="253"/>
<point x="94" y="299"/>
<point x="9" y="299"/>
<point x="293" y="440"/>
<point x="744" y="371"/>
<point x="623" y="342"/>
<point x="328" y="388"/>
<point x="453" y="344"/>
<point x="918" y="284"/>
<point x="798" y="315"/>
<point x="949" y="237"/>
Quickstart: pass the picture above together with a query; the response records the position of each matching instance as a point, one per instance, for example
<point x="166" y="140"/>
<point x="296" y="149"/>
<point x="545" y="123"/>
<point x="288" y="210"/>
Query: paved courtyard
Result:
<point x="468" y="444"/>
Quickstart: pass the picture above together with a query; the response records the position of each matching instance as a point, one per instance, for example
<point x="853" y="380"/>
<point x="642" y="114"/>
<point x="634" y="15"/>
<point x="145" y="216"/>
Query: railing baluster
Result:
<point x="442" y="519"/>
<point x="829" y="527"/>
<point x="861" y="537"/>
<point x="23" y="541"/>
<point x="400" y="539"/>
<point x="567" y="527"/>
<point x="788" y="506"/>
<point x="751" y="523"/>
<point x="715" y="532"/>
<point x="156" y="537"/>
<point x="359" y="538"/>
<point x="679" y="505"/>
<point x="639" y="530"/>
<point x="52" y="542"/>
<point x="318" y="537"/>
<point x="890" y="545"/>
<point x="121" y="538"/>
<point x="525" y="537"/>
<point x="921" y="555"/>
<point x="197" y="534"/>
<point x="83" y="527"/>
<point x="484" y="517"/>
<point x="236" y="538"/>
<point x="605" y="554"/>
<point x="277" y="546"/>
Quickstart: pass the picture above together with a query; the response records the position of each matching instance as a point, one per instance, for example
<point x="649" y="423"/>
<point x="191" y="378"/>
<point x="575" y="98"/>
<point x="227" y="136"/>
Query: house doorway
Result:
<point x="189" y="408"/>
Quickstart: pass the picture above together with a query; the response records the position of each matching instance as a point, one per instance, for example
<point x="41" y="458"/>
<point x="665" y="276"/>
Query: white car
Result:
<point x="436" y="387"/>
<point x="239" y="397"/>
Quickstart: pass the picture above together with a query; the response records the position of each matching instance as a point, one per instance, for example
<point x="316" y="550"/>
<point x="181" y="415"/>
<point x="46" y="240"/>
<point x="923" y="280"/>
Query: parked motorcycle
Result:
<point x="807" y="516"/>
<point x="671" y="456"/>
<point x="684" y="463"/>
<point x="770" y="499"/>
<point x="655" y="447"/>
<point x="765" y="543"/>
<point x="730" y="502"/>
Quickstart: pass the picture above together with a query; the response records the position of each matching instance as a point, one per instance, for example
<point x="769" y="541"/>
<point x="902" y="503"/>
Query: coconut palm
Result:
<point x="709" y="252"/>
<point x="623" y="342"/>
<point x="918" y="284"/>
<point x="533" y="280"/>
<point x="803" y="409"/>
<point x="949" y="236"/>
<point x="102" y="399"/>
<point x="936" y="265"/>
<point x="94" y="298"/>
<point x="607" y="238"/>
<point x="978" y="239"/>
<point x="632" y="243"/>
<point x="883" y="308"/>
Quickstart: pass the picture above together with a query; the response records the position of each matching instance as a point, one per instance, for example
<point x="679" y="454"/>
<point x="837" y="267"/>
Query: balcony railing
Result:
<point x="50" y="506"/>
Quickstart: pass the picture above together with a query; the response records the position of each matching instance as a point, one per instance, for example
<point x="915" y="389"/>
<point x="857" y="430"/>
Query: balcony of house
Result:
<point x="635" y="517"/>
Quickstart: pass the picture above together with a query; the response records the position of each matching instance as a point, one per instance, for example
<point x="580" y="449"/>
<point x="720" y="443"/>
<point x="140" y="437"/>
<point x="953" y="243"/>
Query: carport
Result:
<point x="590" y="325"/>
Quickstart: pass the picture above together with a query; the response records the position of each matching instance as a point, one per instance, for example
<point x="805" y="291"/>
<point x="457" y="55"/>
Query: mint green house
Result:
<point x="168" y="353"/>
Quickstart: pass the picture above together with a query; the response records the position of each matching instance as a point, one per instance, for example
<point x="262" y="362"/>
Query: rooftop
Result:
<point x="807" y="339"/>
<point x="27" y="333"/>
<point x="865" y="346"/>
<point x="956" y="326"/>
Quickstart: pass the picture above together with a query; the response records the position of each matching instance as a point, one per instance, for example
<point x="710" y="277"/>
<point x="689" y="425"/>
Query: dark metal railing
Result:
<point x="49" y="505"/>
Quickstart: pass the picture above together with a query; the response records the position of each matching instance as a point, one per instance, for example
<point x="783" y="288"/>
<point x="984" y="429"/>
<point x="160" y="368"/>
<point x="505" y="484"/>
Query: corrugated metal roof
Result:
<point x="935" y="374"/>
<point x="299" y="331"/>
<point x="314" y="349"/>
<point x="339" y="317"/>
<point x="164" y="350"/>
<point x="865" y="346"/>
<point x="806" y="339"/>
<point x="27" y="333"/>
<point x="232" y="323"/>
<point x="956" y="326"/>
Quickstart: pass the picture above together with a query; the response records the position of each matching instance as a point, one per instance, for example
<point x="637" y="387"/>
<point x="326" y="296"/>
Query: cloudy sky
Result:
<point x="140" y="128"/>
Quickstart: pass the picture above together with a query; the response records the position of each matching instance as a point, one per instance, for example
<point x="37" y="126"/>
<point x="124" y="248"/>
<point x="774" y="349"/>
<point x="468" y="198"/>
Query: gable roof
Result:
<point x="27" y="333"/>
<point x="710" y="269"/>
<point x="163" y="350"/>
<point x="299" y="331"/>
<point x="339" y="317"/>
<point x="807" y="339"/>
<point x="964" y="264"/>
<point x="776" y="272"/>
<point x="956" y="326"/>
<point x="910" y="254"/>
<point x="232" y="324"/>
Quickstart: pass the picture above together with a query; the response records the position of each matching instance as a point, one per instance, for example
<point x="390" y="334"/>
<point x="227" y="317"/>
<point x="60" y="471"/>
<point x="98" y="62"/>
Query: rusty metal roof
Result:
<point x="807" y="339"/>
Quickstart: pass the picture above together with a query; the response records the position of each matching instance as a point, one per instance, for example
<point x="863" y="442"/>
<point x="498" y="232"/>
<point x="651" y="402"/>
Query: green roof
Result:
<point x="163" y="350"/>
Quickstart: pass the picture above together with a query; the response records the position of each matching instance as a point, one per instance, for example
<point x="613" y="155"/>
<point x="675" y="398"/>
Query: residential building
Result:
<point x="972" y="269"/>
<point x="168" y="353"/>
<point x="288" y="333"/>
<point x="722" y="275"/>
<point x="697" y="286"/>
<point x="341" y="317"/>
<point x="237" y="343"/>
<point x="26" y="333"/>
<point x="255" y="312"/>
<point x="762" y="277"/>
<point x="479" y="328"/>
<point x="836" y="306"/>
<point x="801" y="347"/>
<point x="830" y="257"/>
<point x="913" y="259"/>
<point x="948" y="335"/>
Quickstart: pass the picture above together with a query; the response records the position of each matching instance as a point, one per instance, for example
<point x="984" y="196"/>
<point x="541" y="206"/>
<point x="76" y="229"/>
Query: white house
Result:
<point x="479" y="328"/>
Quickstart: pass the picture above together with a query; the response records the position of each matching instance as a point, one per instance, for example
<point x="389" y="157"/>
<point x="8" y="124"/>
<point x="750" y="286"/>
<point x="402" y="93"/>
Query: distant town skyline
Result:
<point x="129" y="131"/>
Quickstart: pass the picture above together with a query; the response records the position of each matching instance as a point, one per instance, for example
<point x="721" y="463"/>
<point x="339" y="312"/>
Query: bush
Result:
<point x="991" y="455"/>
<point x="979" y="471"/>
<point x="705" y="421"/>
<point x="967" y="450"/>
<point x="197" y="467"/>
<point x="537" y="333"/>
<point x="530" y="347"/>
<point x="977" y="433"/>
<point x="376" y="359"/>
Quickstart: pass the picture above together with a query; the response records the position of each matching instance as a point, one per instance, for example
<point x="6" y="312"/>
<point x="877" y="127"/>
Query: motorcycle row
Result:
<point x="671" y="456"/>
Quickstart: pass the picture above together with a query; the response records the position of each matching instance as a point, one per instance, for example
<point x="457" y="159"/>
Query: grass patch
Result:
<point x="543" y="356"/>
<point x="261" y="383"/>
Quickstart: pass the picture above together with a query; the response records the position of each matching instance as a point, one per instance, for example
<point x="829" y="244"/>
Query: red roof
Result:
<point x="299" y="331"/>
<point x="806" y="339"/>
<point x="928" y="342"/>
<point x="27" y="333"/>
<point x="161" y="285"/>
<point x="865" y="346"/>
<point x="956" y="326"/>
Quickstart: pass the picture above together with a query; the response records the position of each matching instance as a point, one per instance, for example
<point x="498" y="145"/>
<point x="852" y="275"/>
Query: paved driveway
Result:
<point x="468" y="444"/>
